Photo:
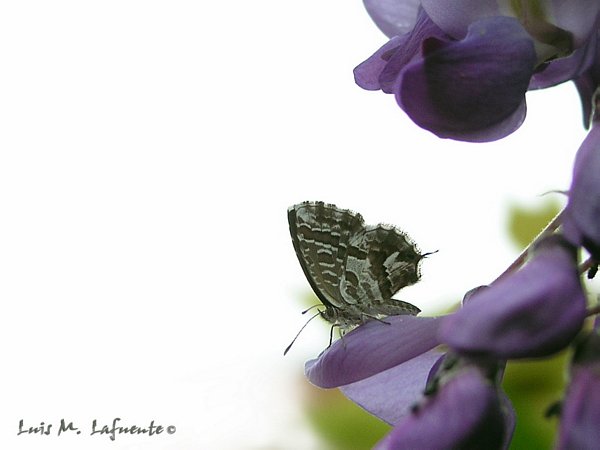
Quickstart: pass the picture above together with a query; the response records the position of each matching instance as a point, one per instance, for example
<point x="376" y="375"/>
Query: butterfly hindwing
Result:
<point x="382" y="261"/>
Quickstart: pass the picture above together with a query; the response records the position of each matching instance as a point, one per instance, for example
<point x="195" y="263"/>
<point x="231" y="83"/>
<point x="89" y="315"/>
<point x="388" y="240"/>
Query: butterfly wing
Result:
<point x="381" y="260"/>
<point x="321" y="233"/>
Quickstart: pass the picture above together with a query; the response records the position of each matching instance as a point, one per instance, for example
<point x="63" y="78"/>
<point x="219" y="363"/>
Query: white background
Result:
<point x="148" y="153"/>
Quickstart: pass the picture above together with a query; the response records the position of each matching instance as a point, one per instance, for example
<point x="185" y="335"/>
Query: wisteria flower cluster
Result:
<point x="460" y="69"/>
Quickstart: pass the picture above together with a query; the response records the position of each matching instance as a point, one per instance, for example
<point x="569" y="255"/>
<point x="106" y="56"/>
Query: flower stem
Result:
<point x="548" y="229"/>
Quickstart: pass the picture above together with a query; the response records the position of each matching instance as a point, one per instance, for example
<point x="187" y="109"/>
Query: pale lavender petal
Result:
<point x="393" y="17"/>
<point x="455" y="16"/>
<point x="465" y="413"/>
<point x="581" y="218"/>
<point x="580" y="18"/>
<point x="390" y="394"/>
<point x="463" y="89"/>
<point x="373" y="348"/>
<point x="367" y="73"/>
<point x="381" y="70"/>
<point x="533" y="312"/>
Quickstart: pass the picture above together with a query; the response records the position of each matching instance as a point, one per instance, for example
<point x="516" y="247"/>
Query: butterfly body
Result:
<point x="354" y="268"/>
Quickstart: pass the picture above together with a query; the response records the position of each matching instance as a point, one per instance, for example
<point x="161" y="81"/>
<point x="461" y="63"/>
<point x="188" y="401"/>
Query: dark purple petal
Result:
<point x="530" y="313"/>
<point x="393" y="17"/>
<point x="581" y="219"/>
<point x="465" y="413"/>
<point x="390" y="394"/>
<point x="580" y="415"/>
<point x="467" y="89"/>
<point x="373" y="348"/>
<point x="455" y="16"/>
<point x="587" y="84"/>
<point x="510" y="418"/>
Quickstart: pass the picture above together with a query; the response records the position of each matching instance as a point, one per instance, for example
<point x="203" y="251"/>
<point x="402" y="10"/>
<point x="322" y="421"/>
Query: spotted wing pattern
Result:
<point x="354" y="269"/>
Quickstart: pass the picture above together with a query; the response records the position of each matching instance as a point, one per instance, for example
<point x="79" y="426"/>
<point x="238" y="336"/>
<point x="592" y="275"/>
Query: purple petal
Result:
<point x="465" y="413"/>
<point x="580" y="416"/>
<point x="581" y="407"/>
<point x="393" y="17"/>
<point x="367" y="73"/>
<point x="381" y="70"/>
<point x="510" y="418"/>
<point x="530" y="313"/>
<point x="390" y="394"/>
<point x="473" y="89"/>
<point x="373" y="348"/>
<point x="564" y="69"/>
<point x="586" y="85"/>
<point x="580" y="18"/>
<point x="582" y="214"/>
<point x="424" y="29"/>
<point x="455" y="16"/>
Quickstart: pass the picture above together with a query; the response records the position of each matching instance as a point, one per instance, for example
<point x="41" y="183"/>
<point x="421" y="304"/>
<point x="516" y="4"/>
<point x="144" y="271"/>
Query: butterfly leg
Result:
<point x="341" y="333"/>
<point x="331" y="334"/>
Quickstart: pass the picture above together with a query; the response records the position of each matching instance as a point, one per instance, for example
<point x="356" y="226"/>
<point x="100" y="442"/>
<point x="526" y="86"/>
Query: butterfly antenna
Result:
<point x="428" y="253"/>
<point x="308" y="309"/>
<point x="303" y="327"/>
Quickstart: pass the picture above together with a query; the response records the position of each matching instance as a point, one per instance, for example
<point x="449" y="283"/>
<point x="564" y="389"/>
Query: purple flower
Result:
<point x="580" y="415"/>
<point x="382" y="367"/>
<point x="390" y="394"/>
<point x="386" y="369"/>
<point x="463" y="68"/>
<point x="582" y="215"/>
<point x="466" y="411"/>
<point x="533" y="312"/>
<point x="372" y="348"/>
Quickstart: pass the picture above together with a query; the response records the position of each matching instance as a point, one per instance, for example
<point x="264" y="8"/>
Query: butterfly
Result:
<point x="353" y="268"/>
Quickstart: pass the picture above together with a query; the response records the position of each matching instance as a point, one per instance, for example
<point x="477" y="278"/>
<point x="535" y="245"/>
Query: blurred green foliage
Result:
<point x="525" y="222"/>
<point x="533" y="387"/>
<point x="340" y="423"/>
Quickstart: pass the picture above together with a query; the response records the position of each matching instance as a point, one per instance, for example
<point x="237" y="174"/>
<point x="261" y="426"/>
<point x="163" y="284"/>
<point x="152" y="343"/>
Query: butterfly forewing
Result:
<point x="320" y="234"/>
